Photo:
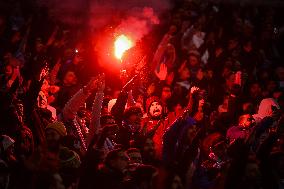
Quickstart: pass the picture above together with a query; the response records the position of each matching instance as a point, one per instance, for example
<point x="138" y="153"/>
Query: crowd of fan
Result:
<point x="211" y="115"/>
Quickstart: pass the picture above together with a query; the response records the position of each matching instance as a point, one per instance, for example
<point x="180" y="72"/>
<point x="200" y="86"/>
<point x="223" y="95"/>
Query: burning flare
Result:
<point x="121" y="44"/>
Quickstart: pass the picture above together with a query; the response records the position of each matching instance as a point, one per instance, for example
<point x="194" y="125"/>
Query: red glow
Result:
<point x="121" y="44"/>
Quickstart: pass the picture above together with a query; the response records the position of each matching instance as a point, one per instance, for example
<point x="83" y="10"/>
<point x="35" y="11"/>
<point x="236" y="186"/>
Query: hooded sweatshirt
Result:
<point x="265" y="109"/>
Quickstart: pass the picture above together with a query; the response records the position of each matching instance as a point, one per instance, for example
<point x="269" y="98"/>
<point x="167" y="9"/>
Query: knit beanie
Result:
<point x="57" y="126"/>
<point x="150" y="100"/>
<point x="6" y="142"/>
<point x="69" y="159"/>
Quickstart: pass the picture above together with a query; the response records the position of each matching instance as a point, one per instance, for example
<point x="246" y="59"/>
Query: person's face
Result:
<point x="230" y="81"/>
<point x="20" y="109"/>
<point x="166" y="93"/>
<point x="10" y="151"/>
<point x="210" y="74"/>
<point x="52" y="138"/>
<point x="8" y="70"/>
<point x="218" y="51"/>
<point x="232" y="44"/>
<point x="58" y="182"/>
<point x="7" y="57"/>
<point x="177" y="183"/>
<point x="135" y="119"/>
<point x="280" y="73"/>
<point x="199" y="74"/>
<point x="178" y="109"/>
<point x="252" y="172"/>
<point x="213" y="118"/>
<point x="104" y="110"/>
<point x="264" y="75"/>
<point x="193" y="61"/>
<point x="271" y="86"/>
<point x="121" y="162"/>
<point x="248" y="107"/>
<point x="226" y="72"/>
<point x="42" y="100"/>
<point x="185" y="73"/>
<point x="201" y="103"/>
<point x="38" y="46"/>
<point x="247" y="121"/>
<point x="116" y="93"/>
<point x="16" y="37"/>
<point x="25" y="144"/>
<point x="248" y="47"/>
<point x="155" y="109"/>
<point x="255" y="89"/>
<point x="140" y="99"/>
<point x="149" y="148"/>
<point x="70" y="78"/>
<point x="191" y="132"/>
<point x="45" y="86"/>
<point x="135" y="157"/>
<point x="77" y="59"/>
<point x="112" y="133"/>
<point x="220" y="150"/>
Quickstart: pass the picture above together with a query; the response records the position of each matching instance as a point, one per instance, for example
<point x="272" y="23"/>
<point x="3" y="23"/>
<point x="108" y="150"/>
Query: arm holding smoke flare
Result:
<point x="130" y="99"/>
<point x="119" y="107"/>
<point x="124" y="79"/>
<point x="96" y="111"/>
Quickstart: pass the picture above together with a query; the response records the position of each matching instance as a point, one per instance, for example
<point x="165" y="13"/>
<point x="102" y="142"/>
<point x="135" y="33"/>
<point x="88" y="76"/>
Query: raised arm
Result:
<point x="33" y="91"/>
<point x="54" y="72"/>
<point x="78" y="100"/>
<point x="96" y="110"/>
<point x="160" y="50"/>
<point x="119" y="107"/>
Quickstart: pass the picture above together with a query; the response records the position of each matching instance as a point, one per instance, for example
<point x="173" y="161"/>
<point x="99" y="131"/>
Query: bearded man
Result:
<point x="156" y="122"/>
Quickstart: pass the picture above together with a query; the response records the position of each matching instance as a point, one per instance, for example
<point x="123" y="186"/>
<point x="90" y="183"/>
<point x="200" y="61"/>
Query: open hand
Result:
<point x="163" y="72"/>
<point x="44" y="72"/>
<point x="193" y="89"/>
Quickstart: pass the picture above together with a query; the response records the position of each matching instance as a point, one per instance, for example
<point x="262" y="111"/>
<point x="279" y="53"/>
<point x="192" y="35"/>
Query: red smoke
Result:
<point x="138" y="23"/>
<point x="109" y="18"/>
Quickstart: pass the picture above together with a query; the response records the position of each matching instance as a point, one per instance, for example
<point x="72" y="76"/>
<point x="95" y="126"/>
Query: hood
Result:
<point x="265" y="108"/>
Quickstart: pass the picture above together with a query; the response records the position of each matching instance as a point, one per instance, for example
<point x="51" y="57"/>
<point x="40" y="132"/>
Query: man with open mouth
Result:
<point x="156" y="122"/>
